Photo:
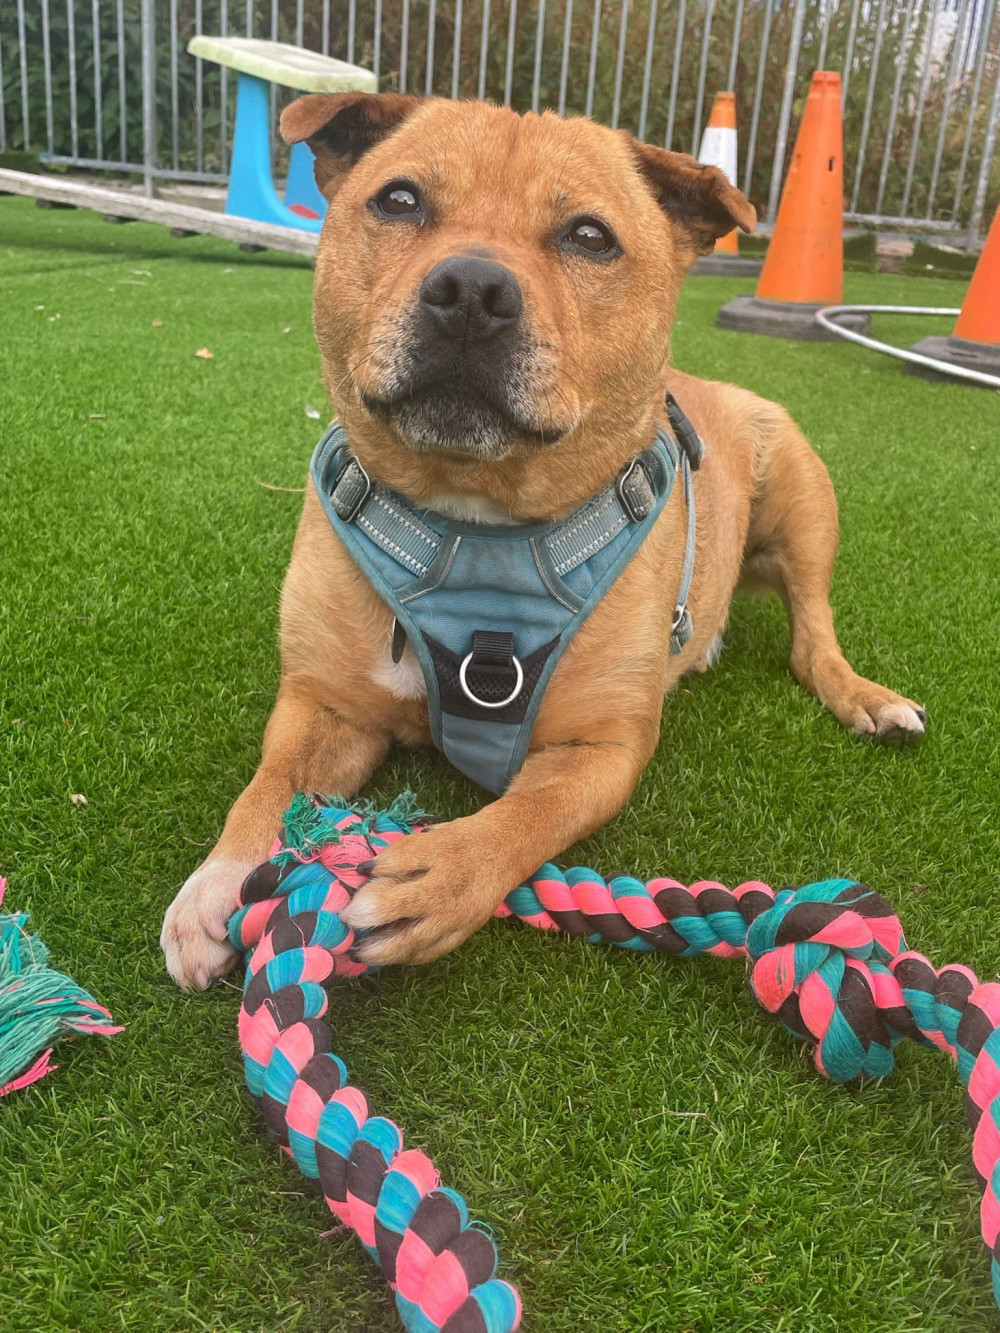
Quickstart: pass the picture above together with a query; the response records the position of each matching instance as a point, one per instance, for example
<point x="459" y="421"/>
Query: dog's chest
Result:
<point x="403" y="679"/>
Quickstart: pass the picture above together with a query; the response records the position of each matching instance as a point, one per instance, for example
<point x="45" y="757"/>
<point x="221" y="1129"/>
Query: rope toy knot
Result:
<point x="821" y="960"/>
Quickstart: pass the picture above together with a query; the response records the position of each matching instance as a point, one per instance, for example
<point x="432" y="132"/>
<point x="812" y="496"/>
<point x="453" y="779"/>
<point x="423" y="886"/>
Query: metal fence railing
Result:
<point x="108" y="84"/>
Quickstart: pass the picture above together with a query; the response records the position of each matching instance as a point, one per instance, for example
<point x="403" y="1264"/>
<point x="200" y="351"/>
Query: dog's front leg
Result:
<point x="306" y="746"/>
<point x="429" y="892"/>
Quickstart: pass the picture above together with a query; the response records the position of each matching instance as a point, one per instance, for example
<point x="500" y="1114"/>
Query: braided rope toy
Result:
<point x="828" y="960"/>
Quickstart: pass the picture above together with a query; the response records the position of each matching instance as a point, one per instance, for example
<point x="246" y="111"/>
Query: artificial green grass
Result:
<point x="650" y="1152"/>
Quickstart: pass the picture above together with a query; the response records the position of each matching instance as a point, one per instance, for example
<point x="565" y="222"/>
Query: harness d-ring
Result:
<point x="474" y="698"/>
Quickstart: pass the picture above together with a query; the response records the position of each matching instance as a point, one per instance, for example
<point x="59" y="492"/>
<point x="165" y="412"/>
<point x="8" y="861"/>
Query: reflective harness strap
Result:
<point x="395" y="528"/>
<point x="385" y="518"/>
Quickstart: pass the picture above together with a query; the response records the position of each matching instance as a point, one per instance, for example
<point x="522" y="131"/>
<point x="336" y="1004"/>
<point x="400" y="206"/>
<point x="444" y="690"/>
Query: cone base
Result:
<point x="783" y="319"/>
<point x="957" y="352"/>
<point x="728" y="266"/>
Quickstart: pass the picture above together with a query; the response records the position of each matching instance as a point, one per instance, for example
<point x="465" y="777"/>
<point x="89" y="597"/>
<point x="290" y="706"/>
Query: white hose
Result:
<point x="825" y="318"/>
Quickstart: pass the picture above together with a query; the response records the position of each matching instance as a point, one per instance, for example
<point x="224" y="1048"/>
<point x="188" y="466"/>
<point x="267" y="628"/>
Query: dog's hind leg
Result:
<point x="307" y="747"/>
<point x="791" y="547"/>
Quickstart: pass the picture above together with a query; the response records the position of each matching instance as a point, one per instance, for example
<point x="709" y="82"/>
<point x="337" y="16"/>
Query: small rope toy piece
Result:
<point x="828" y="960"/>
<point x="38" y="1006"/>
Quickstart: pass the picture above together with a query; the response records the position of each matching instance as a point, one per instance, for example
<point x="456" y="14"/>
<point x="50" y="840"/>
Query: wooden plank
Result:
<point x="181" y="217"/>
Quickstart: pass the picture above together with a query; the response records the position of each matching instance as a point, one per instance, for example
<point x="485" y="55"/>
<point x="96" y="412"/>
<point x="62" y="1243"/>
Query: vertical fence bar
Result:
<point x="901" y="55"/>
<point x="484" y="41"/>
<point x="785" y="115"/>
<point x="867" y="121"/>
<point x="852" y="32"/>
<point x="199" y="110"/>
<point x="22" y="57"/>
<point x="299" y="21"/>
<point x="595" y="34"/>
<point x="3" y="102"/>
<point x="74" y="125"/>
<point x="964" y="33"/>
<point x="672" y="106"/>
<point x="970" y="34"/>
<point x="564" y="66"/>
<point x="765" y="42"/>
<point x="325" y="26"/>
<point x="352" y="21"/>
<point x="702" y="75"/>
<point x="404" y="46"/>
<point x="616" y="105"/>
<point x="273" y="90"/>
<point x="376" y="36"/>
<point x="536" y="74"/>
<point x="979" y="198"/>
<point x="456" y="59"/>
<point x="249" y="20"/>
<point x="925" y="80"/>
<point x="174" y="128"/>
<point x="431" y="22"/>
<point x="47" y="59"/>
<point x="223" y="91"/>
<point x="647" y="67"/>
<point x="734" y="54"/>
<point x="973" y="105"/>
<point x="95" y="21"/>
<point x="956" y="47"/>
<point x="826" y="7"/>
<point x="148" y="35"/>
<point x="122" y="121"/>
<point x="508" y="74"/>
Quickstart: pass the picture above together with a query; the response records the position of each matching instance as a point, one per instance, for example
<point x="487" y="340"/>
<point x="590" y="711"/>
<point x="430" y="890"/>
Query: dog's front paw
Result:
<point x="193" y="938"/>
<point x="427" y="893"/>
<point x="885" y="716"/>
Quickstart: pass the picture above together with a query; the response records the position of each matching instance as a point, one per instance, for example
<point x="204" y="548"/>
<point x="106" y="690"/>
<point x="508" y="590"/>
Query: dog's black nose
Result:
<point x="472" y="299"/>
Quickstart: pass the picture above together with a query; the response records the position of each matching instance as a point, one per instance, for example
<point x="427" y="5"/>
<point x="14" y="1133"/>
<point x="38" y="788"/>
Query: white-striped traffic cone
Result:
<point x="718" y="149"/>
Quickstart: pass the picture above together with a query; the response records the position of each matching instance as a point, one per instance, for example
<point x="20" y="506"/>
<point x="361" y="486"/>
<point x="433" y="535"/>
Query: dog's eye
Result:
<point x="591" y="236"/>
<point x="399" y="199"/>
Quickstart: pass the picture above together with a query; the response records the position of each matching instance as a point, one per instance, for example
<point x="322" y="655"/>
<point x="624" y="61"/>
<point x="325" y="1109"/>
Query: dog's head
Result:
<point x="498" y="289"/>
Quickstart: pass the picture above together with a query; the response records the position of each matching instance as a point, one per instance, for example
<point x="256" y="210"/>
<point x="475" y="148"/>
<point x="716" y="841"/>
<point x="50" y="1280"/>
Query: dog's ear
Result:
<point x="341" y="127"/>
<point x="698" y="199"/>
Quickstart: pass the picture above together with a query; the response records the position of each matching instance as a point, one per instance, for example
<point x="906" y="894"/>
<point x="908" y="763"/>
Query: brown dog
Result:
<point x="540" y="371"/>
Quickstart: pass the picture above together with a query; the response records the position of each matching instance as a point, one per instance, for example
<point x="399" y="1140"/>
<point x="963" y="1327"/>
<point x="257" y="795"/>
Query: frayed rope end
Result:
<point x="313" y="822"/>
<point x="38" y="1006"/>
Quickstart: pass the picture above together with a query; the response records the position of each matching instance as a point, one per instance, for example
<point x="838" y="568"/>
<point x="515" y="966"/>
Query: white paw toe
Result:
<point x="193" y="938"/>
<point x="894" y="722"/>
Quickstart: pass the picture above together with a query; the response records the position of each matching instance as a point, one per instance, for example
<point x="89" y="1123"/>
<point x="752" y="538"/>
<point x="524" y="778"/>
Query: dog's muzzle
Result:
<point x="463" y="378"/>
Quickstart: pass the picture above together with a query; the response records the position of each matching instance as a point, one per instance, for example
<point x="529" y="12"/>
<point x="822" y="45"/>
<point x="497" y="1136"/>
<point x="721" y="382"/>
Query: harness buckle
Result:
<point x="633" y="488"/>
<point x="350" y="491"/>
<point x="681" y="628"/>
<point x="686" y="435"/>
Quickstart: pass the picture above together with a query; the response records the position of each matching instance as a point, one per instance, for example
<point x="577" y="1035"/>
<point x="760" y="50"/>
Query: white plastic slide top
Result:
<point x="291" y="66"/>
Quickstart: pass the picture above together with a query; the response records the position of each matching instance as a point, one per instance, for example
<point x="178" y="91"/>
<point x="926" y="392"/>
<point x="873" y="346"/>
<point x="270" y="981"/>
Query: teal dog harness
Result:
<point x="490" y="609"/>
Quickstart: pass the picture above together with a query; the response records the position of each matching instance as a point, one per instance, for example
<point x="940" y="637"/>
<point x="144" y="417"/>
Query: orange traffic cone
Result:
<point x="975" y="342"/>
<point x="804" y="268"/>
<point x="718" y="149"/>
